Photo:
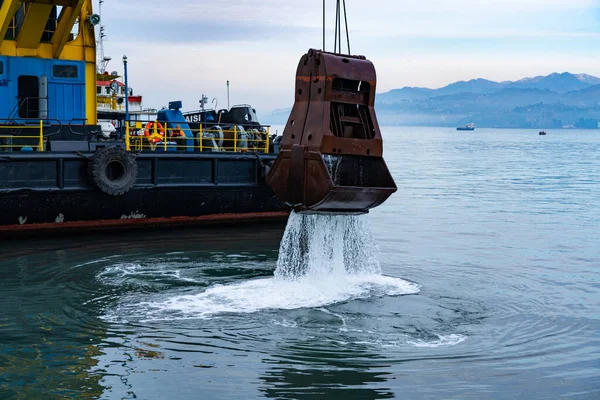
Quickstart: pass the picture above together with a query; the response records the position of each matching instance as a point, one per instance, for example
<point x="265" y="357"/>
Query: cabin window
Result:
<point x="1" y="67"/>
<point x="99" y="89"/>
<point x="64" y="71"/>
<point x="107" y="89"/>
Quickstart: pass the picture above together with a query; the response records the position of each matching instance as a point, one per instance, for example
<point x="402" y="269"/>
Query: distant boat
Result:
<point x="469" y="127"/>
<point x="542" y="133"/>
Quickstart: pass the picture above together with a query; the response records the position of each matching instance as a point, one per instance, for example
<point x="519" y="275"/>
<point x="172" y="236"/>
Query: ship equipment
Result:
<point x="331" y="151"/>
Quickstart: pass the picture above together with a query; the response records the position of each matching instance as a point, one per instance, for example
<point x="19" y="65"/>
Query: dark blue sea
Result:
<point x="478" y="279"/>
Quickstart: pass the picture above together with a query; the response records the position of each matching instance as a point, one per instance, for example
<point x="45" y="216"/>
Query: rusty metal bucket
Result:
<point x="331" y="151"/>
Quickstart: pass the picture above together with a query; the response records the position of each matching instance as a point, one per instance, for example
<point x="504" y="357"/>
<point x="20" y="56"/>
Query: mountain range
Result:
<point x="559" y="83"/>
<point x="553" y="101"/>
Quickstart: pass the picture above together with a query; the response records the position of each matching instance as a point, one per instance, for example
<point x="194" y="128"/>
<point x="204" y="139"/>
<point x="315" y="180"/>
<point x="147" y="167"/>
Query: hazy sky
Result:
<point x="189" y="47"/>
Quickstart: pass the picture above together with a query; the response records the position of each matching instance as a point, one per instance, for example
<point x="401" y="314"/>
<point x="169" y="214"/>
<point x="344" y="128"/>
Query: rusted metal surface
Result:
<point x="31" y="230"/>
<point x="331" y="151"/>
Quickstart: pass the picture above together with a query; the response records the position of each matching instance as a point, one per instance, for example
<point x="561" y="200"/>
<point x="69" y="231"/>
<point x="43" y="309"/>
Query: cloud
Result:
<point x="187" y="31"/>
<point x="251" y="20"/>
<point x="193" y="21"/>
<point x="189" y="47"/>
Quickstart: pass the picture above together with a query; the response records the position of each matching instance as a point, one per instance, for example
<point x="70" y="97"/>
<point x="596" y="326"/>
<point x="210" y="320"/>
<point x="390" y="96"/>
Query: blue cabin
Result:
<point x="37" y="88"/>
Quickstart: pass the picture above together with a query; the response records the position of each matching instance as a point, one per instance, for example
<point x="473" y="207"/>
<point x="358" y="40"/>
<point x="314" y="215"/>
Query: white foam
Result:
<point x="285" y="323"/>
<point x="443" y="341"/>
<point x="118" y="273"/>
<point x="271" y="293"/>
<point x="322" y="260"/>
<point x="344" y="327"/>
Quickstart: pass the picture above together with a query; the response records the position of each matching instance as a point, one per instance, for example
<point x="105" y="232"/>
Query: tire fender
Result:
<point x="113" y="170"/>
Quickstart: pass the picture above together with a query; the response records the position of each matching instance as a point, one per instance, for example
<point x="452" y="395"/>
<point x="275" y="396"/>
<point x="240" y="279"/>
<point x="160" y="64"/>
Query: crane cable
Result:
<point x="337" y="30"/>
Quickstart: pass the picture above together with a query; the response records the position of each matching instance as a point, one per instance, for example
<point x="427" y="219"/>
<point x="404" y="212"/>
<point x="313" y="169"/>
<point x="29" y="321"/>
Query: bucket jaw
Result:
<point x="330" y="159"/>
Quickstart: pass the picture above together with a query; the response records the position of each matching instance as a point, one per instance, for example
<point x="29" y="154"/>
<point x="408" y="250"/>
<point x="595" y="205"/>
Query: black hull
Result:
<point x="52" y="191"/>
<point x="465" y="129"/>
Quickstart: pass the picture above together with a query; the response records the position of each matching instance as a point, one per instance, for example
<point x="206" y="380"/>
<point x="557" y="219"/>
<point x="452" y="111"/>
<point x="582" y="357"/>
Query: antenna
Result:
<point x="103" y="60"/>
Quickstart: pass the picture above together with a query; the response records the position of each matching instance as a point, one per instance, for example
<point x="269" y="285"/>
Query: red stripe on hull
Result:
<point x="140" y="223"/>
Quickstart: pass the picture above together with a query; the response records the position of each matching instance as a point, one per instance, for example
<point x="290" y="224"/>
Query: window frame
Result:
<point x="60" y="76"/>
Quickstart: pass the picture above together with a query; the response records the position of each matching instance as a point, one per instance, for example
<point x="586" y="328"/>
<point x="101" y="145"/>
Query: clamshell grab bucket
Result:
<point x="330" y="159"/>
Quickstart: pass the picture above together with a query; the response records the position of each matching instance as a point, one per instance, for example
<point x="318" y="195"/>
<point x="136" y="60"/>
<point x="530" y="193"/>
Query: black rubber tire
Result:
<point x="122" y="175"/>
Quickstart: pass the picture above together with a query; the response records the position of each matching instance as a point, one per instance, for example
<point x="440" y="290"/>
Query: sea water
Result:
<point x="486" y="285"/>
<point x="322" y="260"/>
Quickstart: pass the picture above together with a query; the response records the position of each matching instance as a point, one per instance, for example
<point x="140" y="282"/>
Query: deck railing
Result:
<point x="162" y="136"/>
<point x="7" y="135"/>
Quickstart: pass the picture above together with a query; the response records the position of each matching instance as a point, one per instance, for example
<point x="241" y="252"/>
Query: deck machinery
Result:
<point x="331" y="151"/>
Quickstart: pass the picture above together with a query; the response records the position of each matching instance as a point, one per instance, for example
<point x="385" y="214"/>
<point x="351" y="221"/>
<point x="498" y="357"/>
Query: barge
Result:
<point x="67" y="165"/>
<point x="60" y="171"/>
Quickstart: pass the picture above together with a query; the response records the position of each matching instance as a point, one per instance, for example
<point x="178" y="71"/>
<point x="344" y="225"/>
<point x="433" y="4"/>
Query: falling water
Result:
<point x="323" y="259"/>
<point x="315" y="246"/>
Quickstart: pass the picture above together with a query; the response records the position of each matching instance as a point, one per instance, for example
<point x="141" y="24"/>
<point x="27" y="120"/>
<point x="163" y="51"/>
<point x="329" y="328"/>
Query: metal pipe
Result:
<point x="127" y="145"/>
<point x="268" y="135"/>
<point x="201" y="136"/>
<point x="165" y="136"/>
<point x="41" y="135"/>
<point x="126" y="89"/>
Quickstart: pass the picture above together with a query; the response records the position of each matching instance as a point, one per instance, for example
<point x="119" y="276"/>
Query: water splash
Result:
<point x="322" y="260"/>
<point x="315" y="246"/>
